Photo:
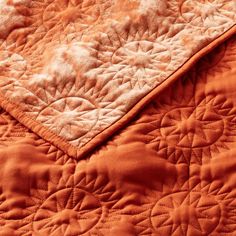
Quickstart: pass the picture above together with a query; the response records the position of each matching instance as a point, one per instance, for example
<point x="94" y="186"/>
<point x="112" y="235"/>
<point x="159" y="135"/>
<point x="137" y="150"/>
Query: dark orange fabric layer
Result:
<point x="171" y="171"/>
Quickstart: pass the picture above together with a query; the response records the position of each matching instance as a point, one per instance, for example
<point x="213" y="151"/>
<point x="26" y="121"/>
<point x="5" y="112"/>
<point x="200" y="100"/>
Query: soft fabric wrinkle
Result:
<point x="132" y="163"/>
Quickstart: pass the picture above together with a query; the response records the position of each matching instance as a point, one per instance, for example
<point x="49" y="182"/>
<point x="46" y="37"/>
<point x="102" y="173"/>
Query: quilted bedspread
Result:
<point x="117" y="117"/>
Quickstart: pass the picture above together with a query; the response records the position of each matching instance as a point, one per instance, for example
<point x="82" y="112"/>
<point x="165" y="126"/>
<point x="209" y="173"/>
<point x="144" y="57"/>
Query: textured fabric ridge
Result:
<point x="75" y="68"/>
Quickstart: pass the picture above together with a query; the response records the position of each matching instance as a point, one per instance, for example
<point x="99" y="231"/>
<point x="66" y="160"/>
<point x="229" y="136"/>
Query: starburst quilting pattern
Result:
<point x="74" y="209"/>
<point x="198" y="207"/>
<point x="72" y="12"/>
<point x="135" y="58"/>
<point x="196" y="131"/>
<point x="64" y="199"/>
<point x="70" y="117"/>
<point x="138" y="61"/>
<point x="191" y="127"/>
<point x="66" y="103"/>
<point x="186" y="213"/>
<point x="206" y="12"/>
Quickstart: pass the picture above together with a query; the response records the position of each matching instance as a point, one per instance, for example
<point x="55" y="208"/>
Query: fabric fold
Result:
<point x="170" y="171"/>
<point x="77" y="72"/>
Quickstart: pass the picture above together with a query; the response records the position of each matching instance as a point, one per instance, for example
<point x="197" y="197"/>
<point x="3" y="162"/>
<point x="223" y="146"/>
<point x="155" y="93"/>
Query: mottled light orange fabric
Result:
<point x="117" y="118"/>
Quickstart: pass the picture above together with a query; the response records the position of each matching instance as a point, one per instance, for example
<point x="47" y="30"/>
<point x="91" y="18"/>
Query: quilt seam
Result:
<point x="170" y="79"/>
<point x="101" y="137"/>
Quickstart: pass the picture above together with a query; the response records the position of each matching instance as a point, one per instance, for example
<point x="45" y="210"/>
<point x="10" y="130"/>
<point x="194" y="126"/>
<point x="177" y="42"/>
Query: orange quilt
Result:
<point x="117" y="117"/>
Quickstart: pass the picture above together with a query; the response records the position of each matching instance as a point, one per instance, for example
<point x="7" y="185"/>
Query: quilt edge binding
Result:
<point x="78" y="153"/>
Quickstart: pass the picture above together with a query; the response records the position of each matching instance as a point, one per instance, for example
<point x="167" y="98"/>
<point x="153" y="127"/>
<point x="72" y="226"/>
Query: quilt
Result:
<point x="117" y="117"/>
